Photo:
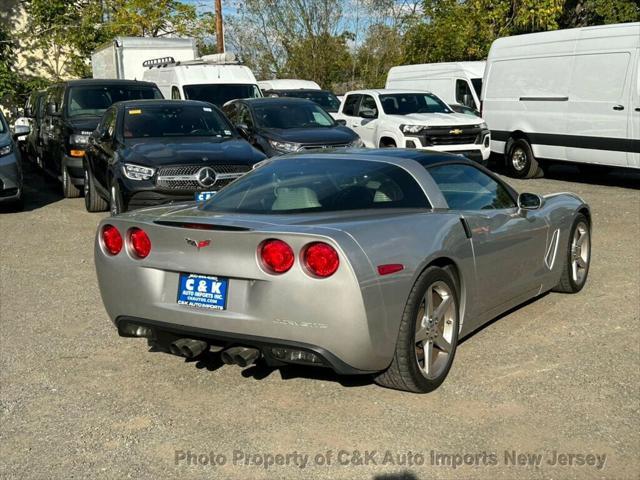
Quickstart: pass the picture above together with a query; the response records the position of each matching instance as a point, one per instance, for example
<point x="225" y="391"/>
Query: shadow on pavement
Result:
<point x="397" y="476"/>
<point x="39" y="190"/>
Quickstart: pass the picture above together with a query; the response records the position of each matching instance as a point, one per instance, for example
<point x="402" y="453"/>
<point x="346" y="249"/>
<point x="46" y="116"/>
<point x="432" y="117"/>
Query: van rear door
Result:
<point x="598" y="110"/>
<point x="634" y="117"/>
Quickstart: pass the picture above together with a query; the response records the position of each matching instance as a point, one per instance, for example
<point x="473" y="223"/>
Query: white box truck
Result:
<point x="216" y="78"/>
<point x="457" y="83"/>
<point x="567" y="95"/>
<point x="123" y="57"/>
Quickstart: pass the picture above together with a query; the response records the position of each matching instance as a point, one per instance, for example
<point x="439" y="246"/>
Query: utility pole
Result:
<point x="219" y="27"/>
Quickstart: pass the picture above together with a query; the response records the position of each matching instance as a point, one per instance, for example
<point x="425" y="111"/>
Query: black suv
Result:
<point x="286" y="125"/>
<point x="150" y="152"/>
<point x="73" y="110"/>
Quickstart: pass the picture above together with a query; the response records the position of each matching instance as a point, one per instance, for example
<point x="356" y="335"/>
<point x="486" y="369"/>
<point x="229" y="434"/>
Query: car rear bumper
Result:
<point x="164" y="331"/>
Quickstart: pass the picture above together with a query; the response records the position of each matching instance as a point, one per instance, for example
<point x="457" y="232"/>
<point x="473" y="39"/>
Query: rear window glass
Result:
<point x="291" y="115"/>
<point x="94" y="100"/>
<point x="300" y="185"/>
<point x="326" y="100"/>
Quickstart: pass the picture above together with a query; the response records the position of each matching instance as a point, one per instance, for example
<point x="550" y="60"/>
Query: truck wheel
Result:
<point x="387" y="143"/>
<point x="428" y="335"/>
<point x="68" y="189"/>
<point x="93" y="202"/>
<point x="116" y="202"/>
<point x="520" y="161"/>
<point x="577" y="257"/>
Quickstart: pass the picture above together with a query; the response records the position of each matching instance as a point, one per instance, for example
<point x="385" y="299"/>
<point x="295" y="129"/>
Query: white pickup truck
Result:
<point x="413" y="119"/>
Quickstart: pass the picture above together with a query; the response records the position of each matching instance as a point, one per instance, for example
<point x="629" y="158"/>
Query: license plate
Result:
<point x="204" y="196"/>
<point x="203" y="291"/>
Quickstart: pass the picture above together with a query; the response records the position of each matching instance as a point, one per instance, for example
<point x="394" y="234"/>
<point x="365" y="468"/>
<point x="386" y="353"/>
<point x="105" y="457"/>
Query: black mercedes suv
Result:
<point x="152" y="152"/>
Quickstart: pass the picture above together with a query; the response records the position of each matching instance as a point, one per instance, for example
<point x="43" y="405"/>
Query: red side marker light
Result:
<point x="390" y="268"/>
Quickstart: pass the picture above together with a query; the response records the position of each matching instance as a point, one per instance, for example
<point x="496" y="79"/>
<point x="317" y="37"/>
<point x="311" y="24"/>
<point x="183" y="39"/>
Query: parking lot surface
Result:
<point x="558" y="376"/>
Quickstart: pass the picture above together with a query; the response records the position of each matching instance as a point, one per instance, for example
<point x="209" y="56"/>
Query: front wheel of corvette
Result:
<point x="428" y="335"/>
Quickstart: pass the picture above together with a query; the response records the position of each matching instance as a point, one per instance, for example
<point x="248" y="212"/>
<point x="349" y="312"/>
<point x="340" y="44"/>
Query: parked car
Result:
<point x="34" y="111"/>
<point x="11" y="186"/>
<point x="454" y="82"/>
<point x="301" y="89"/>
<point x="284" y="125"/>
<point x="371" y="262"/>
<point x="412" y="119"/>
<point x="73" y="110"/>
<point x="215" y="78"/>
<point x="567" y="95"/>
<point x="150" y="152"/>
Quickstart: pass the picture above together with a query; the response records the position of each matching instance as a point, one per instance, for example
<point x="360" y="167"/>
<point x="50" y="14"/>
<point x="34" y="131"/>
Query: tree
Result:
<point x="580" y="13"/>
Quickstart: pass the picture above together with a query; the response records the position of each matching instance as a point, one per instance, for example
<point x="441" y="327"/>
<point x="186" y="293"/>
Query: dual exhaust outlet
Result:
<point x="191" y="348"/>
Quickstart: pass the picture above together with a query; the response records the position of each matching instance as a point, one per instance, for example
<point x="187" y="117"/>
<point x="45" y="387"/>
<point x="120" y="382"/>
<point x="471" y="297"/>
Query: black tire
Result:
<point x="568" y="282"/>
<point x="404" y="373"/>
<point x="93" y="202"/>
<point x="387" y="143"/>
<point x="116" y="203"/>
<point x="519" y="160"/>
<point x="69" y="190"/>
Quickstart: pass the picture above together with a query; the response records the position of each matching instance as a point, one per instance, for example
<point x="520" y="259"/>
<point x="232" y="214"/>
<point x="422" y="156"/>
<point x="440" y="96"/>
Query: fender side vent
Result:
<point x="202" y="226"/>
<point x="550" y="257"/>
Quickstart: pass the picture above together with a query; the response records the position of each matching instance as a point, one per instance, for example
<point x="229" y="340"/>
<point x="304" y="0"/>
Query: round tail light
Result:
<point x="276" y="256"/>
<point x="111" y="239"/>
<point x="140" y="243"/>
<point x="321" y="259"/>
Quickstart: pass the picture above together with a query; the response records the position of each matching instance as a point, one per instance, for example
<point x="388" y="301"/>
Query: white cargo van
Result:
<point x="457" y="83"/>
<point x="568" y="95"/>
<point x="213" y="78"/>
<point x="123" y="57"/>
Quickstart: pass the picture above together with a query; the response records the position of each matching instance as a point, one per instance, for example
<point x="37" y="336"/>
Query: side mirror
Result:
<point x="21" y="131"/>
<point x="529" y="201"/>
<point x="244" y="130"/>
<point x="368" y="113"/>
<point x="467" y="100"/>
<point x="52" y="109"/>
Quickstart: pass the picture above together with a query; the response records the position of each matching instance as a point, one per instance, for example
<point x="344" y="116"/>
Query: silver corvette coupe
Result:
<point x="364" y="261"/>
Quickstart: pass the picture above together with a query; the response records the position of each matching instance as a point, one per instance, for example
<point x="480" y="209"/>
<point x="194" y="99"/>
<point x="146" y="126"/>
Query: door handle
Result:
<point x="637" y="109"/>
<point x="618" y="107"/>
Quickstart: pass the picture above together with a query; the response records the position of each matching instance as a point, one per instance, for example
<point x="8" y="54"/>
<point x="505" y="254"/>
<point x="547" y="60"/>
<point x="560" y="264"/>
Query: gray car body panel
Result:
<point x="10" y="167"/>
<point x="354" y="314"/>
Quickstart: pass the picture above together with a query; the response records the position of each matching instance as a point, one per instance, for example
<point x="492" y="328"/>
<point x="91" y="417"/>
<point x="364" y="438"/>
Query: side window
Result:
<point x="368" y="107"/>
<point x="463" y="93"/>
<point x="175" y="93"/>
<point x="350" y="104"/>
<point x="59" y="94"/>
<point x="244" y="116"/>
<point x="108" y="123"/>
<point x="231" y="111"/>
<point x="466" y="188"/>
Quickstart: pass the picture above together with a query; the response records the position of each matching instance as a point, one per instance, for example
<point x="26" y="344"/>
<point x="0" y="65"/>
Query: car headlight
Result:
<point x="357" y="143"/>
<point x="79" y="139"/>
<point x="285" y="146"/>
<point x="137" y="172"/>
<point x="5" y="150"/>
<point x="412" y="128"/>
<point x="483" y="126"/>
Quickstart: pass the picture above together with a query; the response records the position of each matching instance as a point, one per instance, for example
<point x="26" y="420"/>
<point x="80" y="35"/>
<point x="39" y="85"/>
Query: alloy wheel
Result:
<point x="580" y="253"/>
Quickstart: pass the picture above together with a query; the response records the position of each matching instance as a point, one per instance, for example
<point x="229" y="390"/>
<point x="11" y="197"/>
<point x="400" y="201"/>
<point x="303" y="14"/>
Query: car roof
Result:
<point x="275" y="100"/>
<point x="384" y="91"/>
<point x="160" y="102"/>
<point x="297" y="90"/>
<point x="105" y="81"/>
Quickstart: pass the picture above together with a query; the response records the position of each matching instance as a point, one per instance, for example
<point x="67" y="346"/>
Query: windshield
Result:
<point x="292" y="115"/>
<point x="174" y="121"/>
<point x="407" y="103"/>
<point x="219" y="94"/>
<point x="326" y="100"/>
<point x="299" y="185"/>
<point x="94" y="100"/>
